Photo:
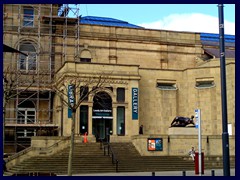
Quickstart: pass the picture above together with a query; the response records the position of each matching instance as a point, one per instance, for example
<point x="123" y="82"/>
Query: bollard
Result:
<point x="153" y="173"/>
<point x="213" y="172"/>
<point x="184" y="173"/>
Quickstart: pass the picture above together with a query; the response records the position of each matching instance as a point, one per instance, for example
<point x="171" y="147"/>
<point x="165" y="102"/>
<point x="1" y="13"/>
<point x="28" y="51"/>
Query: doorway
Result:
<point x="102" y="128"/>
<point x="102" y="116"/>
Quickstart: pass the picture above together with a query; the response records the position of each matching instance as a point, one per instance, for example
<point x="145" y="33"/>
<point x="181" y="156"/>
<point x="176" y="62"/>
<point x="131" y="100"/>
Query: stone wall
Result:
<point x="179" y="145"/>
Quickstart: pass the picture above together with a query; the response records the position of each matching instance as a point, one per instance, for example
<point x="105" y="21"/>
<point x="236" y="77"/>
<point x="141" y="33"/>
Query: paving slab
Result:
<point x="215" y="172"/>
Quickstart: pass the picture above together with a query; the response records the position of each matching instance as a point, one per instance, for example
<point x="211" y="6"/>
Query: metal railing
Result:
<point x="108" y="148"/>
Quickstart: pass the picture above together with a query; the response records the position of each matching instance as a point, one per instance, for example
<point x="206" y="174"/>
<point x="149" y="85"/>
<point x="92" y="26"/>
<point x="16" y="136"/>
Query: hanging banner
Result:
<point x="71" y="98"/>
<point x="134" y="103"/>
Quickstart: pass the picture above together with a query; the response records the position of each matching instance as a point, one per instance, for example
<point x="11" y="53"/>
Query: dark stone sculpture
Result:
<point x="179" y="121"/>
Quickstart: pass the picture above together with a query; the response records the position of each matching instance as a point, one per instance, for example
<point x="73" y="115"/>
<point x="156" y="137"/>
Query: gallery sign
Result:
<point x="155" y="144"/>
<point x="134" y="103"/>
<point x="102" y="113"/>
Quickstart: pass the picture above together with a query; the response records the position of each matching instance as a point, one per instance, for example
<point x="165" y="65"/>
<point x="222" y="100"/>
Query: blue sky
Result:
<point x="179" y="17"/>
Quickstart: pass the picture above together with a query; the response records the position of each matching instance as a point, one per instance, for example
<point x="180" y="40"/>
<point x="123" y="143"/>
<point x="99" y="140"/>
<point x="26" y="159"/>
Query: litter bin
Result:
<point x="196" y="160"/>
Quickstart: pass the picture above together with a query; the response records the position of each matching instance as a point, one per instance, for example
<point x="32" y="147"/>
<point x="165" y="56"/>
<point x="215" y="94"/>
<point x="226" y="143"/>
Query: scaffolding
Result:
<point x="43" y="32"/>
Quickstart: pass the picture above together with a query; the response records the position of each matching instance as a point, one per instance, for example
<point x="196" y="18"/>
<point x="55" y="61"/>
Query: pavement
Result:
<point x="213" y="172"/>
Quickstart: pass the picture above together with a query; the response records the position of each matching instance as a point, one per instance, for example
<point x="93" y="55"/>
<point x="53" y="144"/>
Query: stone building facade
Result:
<point x="151" y="76"/>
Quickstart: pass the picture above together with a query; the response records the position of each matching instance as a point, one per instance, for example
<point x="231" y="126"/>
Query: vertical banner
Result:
<point x="134" y="103"/>
<point x="71" y="98"/>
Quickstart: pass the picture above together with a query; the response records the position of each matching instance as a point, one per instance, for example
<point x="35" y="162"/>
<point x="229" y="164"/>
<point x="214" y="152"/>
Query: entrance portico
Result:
<point x="111" y="107"/>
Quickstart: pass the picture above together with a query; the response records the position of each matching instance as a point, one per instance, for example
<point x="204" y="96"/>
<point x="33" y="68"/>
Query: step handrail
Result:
<point x="55" y="144"/>
<point x="109" y="150"/>
<point x="111" y="154"/>
<point x="25" y="151"/>
<point x="16" y="155"/>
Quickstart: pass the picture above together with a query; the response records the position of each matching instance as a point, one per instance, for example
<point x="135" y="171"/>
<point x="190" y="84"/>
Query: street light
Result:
<point x="225" y="137"/>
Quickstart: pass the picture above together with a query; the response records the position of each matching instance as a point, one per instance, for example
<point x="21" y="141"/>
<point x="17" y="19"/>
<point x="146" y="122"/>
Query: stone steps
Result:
<point x="89" y="158"/>
<point x="127" y="152"/>
<point x="131" y="160"/>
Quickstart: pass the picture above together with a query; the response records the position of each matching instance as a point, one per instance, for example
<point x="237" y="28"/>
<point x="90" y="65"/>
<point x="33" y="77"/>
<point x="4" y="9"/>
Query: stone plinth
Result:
<point x="182" y="131"/>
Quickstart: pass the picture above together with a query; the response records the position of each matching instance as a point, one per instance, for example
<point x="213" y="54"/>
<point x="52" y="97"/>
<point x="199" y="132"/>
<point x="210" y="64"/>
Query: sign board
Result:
<point x="102" y="113"/>
<point x="155" y="144"/>
<point x="134" y="103"/>
<point x="197" y="117"/>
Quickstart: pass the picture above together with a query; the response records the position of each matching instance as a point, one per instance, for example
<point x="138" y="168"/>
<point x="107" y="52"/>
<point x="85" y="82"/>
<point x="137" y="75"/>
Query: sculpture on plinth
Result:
<point x="180" y="121"/>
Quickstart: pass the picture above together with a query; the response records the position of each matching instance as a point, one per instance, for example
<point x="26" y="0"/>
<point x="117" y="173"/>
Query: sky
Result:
<point x="176" y="17"/>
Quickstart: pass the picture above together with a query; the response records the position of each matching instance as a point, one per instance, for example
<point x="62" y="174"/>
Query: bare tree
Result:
<point x="14" y="83"/>
<point x="72" y="92"/>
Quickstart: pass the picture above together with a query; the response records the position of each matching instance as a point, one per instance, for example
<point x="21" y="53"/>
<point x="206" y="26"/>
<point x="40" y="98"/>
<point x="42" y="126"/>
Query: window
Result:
<point x="205" y="84"/>
<point x="83" y="93"/>
<point x="121" y="120"/>
<point x="28" y="17"/>
<point x="26" y="116"/>
<point x="166" y="86"/>
<point x="120" y="94"/>
<point x="21" y="133"/>
<point x="87" y="60"/>
<point x="83" y="119"/>
<point x="27" y="63"/>
<point x="26" y="113"/>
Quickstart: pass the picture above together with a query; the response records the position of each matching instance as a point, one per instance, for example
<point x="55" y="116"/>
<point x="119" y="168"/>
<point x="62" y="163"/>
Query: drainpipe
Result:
<point x="61" y="130"/>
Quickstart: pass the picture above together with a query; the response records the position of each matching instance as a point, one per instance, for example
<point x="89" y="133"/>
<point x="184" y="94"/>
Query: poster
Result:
<point x="154" y="144"/>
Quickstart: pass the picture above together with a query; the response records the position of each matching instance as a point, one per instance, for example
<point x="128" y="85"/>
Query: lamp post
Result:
<point x="225" y="136"/>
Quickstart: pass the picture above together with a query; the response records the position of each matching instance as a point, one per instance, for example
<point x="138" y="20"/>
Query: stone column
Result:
<point x="114" y="120"/>
<point x="90" y="120"/>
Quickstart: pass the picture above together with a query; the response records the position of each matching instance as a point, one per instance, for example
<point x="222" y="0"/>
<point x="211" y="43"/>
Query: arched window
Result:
<point x="85" y="56"/>
<point x="27" y="63"/>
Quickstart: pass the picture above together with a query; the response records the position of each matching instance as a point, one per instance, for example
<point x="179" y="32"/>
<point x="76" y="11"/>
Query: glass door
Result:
<point x="99" y="129"/>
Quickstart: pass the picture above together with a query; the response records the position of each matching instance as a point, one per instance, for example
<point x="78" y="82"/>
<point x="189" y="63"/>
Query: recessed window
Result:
<point x="121" y="120"/>
<point x="120" y="94"/>
<point x="87" y="60"/>
<point x="166" y="86"/>
<point x="28" y="16"/>
<point x="83" y="119"/>
<point x="205" y="84"/>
